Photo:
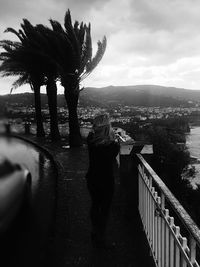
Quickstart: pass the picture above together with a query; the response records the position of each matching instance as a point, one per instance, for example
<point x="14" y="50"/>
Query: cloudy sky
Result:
<point x="149" y="41"/>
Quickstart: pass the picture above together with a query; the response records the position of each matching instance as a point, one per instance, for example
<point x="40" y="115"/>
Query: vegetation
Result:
<point x="179" y="125"/>
<point x="172" y="162"/>
<point x="17" y="59"/>
<point x="43" y="56"/>
<point x="170" y="157"/>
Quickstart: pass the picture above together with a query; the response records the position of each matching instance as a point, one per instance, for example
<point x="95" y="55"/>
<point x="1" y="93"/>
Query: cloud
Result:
<point x="149" y="41"/>
<point x="169" y="15"/>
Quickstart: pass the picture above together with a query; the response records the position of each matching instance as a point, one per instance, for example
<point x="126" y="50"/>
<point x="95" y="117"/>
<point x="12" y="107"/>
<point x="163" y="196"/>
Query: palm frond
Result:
<point x="66" y="55"/>
<point x="91" y="65"/>
<point x="23" y="36"/>
<point x="86" y="54"/>
<point x="11" y="30"/>
<point x="7" y="47"/>
<point x="57" y="27"/>
<point x="20" y="81"/>
<point x="13" y="44"/>
<point x="31" y="37"/>
<point x="72" y="36"/>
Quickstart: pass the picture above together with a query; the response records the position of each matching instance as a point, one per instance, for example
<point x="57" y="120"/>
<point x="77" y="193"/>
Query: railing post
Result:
<point x="167" y="245"/>
<point x="156" y="226"/>
<point x="162" y="230"/>
<point x="150" y="213"/>
<point x="192" y="250"/>
<point x="177" y="253"/>
<point x="171" y="242"/>
<point x="184" y="244"/>
<point x="153" y="220"/>
<point x="159" y="234"/>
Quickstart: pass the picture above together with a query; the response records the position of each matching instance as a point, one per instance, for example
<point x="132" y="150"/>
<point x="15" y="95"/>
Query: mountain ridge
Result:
<point x="144" y="95"/>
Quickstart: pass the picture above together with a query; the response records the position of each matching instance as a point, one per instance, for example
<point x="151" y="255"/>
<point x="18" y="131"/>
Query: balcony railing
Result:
<point x="173" y="237"/>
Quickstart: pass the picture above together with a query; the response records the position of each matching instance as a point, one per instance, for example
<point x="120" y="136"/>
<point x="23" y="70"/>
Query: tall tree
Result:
<point x="75" y="63"/>
<point x="48" y="67"/>
<point x="67" y="50"/>
<point x="42" y="67"/>
<point x="18" y="61"/>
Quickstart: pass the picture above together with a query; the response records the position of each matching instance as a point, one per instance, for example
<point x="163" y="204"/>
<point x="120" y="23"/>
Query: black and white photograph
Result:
<point x="100" y="133"/>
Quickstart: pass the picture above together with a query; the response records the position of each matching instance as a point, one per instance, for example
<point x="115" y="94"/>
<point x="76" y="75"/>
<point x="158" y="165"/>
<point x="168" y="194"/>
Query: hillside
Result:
<point x="139" y="95"/>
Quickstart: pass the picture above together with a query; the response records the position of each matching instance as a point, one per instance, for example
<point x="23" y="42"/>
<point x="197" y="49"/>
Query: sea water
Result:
<point x="193" y="145"/>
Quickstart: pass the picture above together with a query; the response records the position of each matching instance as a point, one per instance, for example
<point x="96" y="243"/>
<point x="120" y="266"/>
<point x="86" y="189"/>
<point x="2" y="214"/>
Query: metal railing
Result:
<point x="169" y="246"/>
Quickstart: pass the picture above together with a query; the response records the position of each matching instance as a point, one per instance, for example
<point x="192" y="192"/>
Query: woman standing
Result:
<point x="103" y="149"/>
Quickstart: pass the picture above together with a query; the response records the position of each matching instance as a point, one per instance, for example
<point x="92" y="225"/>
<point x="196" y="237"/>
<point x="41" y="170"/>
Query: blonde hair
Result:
<point x="103" y="132"/>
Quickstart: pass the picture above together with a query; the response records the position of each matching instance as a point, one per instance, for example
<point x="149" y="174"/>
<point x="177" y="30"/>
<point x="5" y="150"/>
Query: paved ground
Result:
<point x="73" y="245"/>
<point x="70" y="245"/>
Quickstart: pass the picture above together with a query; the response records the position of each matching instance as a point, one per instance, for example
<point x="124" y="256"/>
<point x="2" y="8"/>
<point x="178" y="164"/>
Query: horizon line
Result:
<point x="156" y="85"/>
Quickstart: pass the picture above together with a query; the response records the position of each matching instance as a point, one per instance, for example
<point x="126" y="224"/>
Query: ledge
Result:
<point x="46" y="150"/>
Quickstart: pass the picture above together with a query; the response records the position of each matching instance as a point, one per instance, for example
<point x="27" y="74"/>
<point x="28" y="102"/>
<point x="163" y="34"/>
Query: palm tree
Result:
<point x="18" y="61"/>
<point x="33" y="44"/>
<point x="64" y="53"/>
<point x="48" y="67"/>
<point x="75" y="62"/>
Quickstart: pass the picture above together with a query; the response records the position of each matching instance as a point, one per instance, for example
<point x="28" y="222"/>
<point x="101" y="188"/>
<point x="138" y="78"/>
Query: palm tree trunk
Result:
<point x="71" y="97"/>
<point x="38" y="113"/>
<point x="52" y="102"/>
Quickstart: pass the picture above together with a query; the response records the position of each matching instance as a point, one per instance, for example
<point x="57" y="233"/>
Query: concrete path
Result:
<point x="73" y="244"/>
<point x="70" y="243"/>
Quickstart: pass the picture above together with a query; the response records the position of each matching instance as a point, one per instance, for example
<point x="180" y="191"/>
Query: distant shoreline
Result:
<point x="193" y="142"/>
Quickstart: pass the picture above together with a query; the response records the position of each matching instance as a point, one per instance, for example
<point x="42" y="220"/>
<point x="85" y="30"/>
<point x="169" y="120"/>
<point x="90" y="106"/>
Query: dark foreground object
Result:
<point x="28" y="240"/>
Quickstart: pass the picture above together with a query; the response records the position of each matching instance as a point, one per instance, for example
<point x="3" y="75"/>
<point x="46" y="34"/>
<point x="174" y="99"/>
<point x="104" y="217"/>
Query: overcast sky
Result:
<point x="149" y="41"/>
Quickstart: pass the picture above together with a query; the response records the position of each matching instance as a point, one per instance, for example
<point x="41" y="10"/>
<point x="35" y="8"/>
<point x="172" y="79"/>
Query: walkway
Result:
<point x="70" y="246"/>
<point x="73" y="245"/>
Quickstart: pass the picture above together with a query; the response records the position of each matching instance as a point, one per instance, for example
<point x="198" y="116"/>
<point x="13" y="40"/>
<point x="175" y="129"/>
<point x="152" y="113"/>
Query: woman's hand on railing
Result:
<point x="119" y="138"/>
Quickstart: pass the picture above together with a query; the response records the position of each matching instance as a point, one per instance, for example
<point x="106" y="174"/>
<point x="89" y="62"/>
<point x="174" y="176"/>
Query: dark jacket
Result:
<point x="101" y="160"/>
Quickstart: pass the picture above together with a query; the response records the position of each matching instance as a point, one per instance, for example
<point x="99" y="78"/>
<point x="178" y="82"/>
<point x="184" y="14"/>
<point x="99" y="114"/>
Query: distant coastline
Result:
<point x="193" y="144"/>
<point x="193" y="141"/>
